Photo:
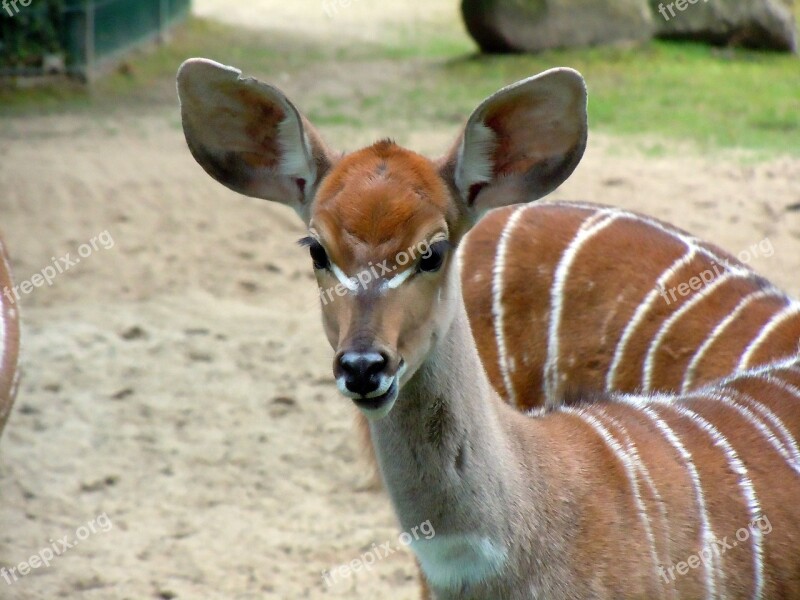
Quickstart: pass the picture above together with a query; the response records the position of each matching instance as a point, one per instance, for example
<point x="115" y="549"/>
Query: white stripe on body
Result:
<point x="707" y="536"/>
<point x="755" y="372"/>
<point x="776" y="321"/>
<point x="721" y="327"/>
<point x="745" y="483"/>
<point x="784" y="385"/>
<point x="642" y="470"/>
<point x="655" y="344"/>
<point x="641" y="312"/>
<point x="498" y="312"/>
<point x="736" y="402"/>
<point x="588" y="229"/>
<point x="630" y="472"/>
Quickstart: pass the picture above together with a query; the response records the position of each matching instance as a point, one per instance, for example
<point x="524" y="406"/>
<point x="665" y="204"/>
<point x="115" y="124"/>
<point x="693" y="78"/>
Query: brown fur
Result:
<point x="9" y="313"/>
<point x="610" y="278"/>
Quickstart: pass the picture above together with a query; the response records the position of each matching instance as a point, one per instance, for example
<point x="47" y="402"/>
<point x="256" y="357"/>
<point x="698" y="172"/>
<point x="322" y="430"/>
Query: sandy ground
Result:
<point x="179" y="382"/>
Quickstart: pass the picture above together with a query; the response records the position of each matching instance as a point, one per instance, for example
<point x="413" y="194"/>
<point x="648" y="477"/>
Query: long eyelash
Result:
<point x="306" y="241"/>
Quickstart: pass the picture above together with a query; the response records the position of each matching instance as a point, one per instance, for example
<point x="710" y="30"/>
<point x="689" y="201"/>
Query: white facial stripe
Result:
<point x="441" y="236"/>
<point x="344" y="279"/>
<point x="398" y="280"/>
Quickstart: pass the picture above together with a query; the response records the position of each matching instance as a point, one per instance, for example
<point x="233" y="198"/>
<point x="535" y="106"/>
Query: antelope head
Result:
<point x="383" y="222"/>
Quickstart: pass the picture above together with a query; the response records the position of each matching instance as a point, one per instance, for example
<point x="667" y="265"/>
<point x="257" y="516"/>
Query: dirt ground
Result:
<point x="176" y="379"/>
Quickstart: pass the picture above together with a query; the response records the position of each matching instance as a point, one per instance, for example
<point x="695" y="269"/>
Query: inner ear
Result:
<point x="248" y="135"/>
<point x="521" y="143"/>
<point x="474" y="190"/>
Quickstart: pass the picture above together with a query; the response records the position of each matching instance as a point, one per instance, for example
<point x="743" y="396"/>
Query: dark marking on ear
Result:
<point x="301" y="185"/>
<point x="553" y="171"/>
<point x="474" y="190"/>
<point x="225" y="168"/>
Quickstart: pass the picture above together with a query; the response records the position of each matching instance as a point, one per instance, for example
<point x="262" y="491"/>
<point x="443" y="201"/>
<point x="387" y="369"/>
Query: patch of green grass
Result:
<point x="719" y="98"/>
<point x="431" y="75"/>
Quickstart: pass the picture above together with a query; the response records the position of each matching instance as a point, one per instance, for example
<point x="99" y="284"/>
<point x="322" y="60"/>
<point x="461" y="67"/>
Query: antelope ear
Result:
<point x="248" y="136"/>
<point x="521" y="143"/>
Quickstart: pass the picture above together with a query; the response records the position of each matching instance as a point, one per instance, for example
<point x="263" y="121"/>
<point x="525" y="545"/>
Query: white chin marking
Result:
<point x="375" y="414"/>
<point x="386" y="383"/>
<point x="343" y="389"/>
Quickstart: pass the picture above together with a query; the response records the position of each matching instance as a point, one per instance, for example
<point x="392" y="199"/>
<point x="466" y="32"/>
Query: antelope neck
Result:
<point x="446" y="456"/>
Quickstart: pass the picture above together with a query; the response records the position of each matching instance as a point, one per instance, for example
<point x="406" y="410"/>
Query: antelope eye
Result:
<point x="319" y="256"/>
<point x="432" y="260"/>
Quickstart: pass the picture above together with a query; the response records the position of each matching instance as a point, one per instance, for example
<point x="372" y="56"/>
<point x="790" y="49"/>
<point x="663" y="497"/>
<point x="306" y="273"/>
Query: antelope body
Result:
<point x="565" y="297"/>
<point x="9" y="339"/>
<point x="597" y="500"/>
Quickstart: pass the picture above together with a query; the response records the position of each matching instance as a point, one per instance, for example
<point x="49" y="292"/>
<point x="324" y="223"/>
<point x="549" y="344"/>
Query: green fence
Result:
<point x="80" y="36"/>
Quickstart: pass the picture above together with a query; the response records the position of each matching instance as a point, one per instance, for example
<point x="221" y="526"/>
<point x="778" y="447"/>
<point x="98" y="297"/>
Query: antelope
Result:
<point x="9" y="340"/>
<point x="612" y="497"/>
<point x="564" y="297"/>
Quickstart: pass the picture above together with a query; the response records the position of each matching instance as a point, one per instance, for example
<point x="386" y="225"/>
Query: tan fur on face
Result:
<point x="378" y="202"/>
<point x="375" y="204"/>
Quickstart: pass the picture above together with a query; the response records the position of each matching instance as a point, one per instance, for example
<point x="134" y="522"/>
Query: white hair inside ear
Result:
<point x="522" y="142"/>
<point x="249" y="136"/>
<point x="296" y="155"/>
<point x="475" y="158"/>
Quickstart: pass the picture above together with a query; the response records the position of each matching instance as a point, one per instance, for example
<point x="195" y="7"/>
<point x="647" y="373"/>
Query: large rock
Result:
<point x="535" y="25"/>
<point x="768" y="24"/>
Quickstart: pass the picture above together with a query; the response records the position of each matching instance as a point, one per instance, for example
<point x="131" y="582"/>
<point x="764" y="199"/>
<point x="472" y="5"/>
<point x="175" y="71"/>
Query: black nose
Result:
<point x="362" y="371"/>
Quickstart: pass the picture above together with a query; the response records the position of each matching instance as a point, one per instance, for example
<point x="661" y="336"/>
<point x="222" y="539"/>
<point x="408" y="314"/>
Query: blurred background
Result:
<point x="176" y="378"/>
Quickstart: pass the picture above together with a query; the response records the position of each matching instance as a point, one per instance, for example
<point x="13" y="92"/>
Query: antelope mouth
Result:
<point x="378" y="404"/>
<point x="381" y="400"/>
